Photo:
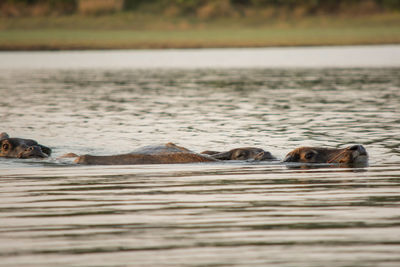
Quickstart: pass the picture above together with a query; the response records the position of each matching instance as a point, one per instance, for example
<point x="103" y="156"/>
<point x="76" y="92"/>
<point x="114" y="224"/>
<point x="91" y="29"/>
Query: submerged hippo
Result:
<point x="160" y="154"/>
<point x="169" y="154"/>
<point x="242" y="153"/>
<point x="355" y="154"/>
<point x="132" y="159"/>
<point x="22" y="148"/>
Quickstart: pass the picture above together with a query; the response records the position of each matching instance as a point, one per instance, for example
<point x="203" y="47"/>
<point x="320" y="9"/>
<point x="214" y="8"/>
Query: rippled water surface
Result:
<point x="55" y="213"/>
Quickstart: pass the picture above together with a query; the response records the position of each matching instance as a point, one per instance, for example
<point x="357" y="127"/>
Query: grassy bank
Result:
<point x="135" y="31"/>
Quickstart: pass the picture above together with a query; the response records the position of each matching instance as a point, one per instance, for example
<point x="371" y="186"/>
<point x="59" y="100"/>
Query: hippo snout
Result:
<point x="33" y="152"/>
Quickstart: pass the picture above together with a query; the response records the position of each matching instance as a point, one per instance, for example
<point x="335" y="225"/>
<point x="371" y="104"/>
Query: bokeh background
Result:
<point x="127" y="24"/>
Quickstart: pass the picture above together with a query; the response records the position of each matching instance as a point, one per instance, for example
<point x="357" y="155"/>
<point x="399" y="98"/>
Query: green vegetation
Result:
<point x="87" y="24"/>
<point x="200" y="8"/>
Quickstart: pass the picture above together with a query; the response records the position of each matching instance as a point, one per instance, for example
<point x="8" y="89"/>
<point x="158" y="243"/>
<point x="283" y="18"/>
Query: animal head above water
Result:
<point x="22" y="148"/>
<point x="355" y="154"/>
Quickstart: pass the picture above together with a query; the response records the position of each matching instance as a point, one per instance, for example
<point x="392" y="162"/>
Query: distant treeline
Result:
<point x="198" y="8"/>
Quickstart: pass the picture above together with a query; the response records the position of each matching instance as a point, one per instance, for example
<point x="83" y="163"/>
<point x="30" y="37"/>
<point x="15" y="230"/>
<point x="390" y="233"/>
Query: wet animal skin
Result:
<point x="132" y="159"/>
<point x="355" y="154"/>
<point x="242" y="153"/>
<point x="171" y="153"/>
<point x="22" y="148"/>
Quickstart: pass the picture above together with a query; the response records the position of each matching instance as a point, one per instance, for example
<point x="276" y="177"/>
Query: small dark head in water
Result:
<point x="355" y="154"/>
<point x="22" y="148"/>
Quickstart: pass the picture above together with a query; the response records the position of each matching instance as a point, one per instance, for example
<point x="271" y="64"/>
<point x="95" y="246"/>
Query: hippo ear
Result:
<point x="222" y="156"/>
<point x="4" y="136"/>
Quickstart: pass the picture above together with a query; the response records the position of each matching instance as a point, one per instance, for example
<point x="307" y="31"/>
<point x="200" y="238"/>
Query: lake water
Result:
<point x="55" y="213"/>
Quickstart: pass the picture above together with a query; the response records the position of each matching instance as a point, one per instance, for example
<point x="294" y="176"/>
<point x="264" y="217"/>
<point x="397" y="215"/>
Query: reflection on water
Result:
<point x="214" y="214"/>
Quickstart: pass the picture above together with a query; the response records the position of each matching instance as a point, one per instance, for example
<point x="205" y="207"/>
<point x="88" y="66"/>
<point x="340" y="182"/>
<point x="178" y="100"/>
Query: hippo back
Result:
<point x="162" y="149"/>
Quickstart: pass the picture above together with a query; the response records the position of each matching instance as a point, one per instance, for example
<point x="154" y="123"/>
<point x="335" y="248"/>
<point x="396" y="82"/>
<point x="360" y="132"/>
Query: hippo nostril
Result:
<point x="33" y="152"/>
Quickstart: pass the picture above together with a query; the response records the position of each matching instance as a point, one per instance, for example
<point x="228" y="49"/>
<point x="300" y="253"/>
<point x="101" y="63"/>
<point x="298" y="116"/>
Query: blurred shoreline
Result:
<point x="134" y="30"/>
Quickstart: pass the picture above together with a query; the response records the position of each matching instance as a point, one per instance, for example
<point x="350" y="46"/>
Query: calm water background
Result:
<point x="217" y="214"/>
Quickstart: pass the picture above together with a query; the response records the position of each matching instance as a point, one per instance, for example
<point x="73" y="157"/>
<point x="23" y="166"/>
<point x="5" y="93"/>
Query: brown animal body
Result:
<point x="171" y="153"/>
<point x="242" y="153"/>
<point x="158" y="154"/>
<point x="167" y="148"/>
<point x="22" y="148"/>
<point x="355" y="154"/>
<point x="132" y="159"/>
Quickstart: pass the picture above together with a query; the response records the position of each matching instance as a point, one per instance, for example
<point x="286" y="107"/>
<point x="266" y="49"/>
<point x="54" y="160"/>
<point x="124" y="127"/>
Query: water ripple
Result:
<point x="53" y="212"/>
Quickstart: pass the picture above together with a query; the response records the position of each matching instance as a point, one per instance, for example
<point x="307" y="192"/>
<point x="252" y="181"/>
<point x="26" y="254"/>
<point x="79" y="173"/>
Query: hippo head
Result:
<point x="244" y="153"/>
<point x="22" y="148"/>
<point x="355" y="154"/>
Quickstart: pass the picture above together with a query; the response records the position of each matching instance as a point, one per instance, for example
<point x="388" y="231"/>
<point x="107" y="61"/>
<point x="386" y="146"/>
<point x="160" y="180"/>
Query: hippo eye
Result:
<point x="5" y="146"/>
<point x="309" y="155"/>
